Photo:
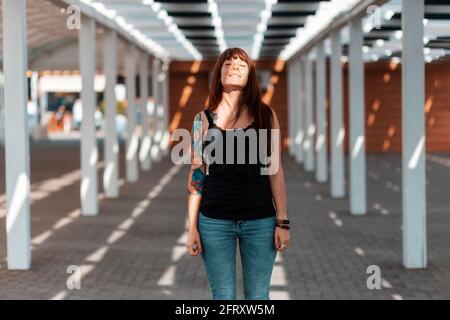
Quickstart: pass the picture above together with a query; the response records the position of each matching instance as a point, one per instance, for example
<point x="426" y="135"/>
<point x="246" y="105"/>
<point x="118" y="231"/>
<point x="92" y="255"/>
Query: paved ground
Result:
<point x="135" y="248"/>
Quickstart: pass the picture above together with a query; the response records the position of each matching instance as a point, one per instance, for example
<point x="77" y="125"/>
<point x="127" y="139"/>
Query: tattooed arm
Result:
<point x="197" y="172"/>
<point x="195" y="183"/>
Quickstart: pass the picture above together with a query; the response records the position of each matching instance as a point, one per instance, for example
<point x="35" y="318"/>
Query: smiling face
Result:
<point x="234" y="73"/>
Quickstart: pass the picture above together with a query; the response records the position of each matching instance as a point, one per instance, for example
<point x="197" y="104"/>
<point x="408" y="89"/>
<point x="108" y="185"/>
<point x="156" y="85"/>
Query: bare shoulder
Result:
<point x="200" y="117"/>
<point x="274" y="113"/>
<point x="276" y="124"/>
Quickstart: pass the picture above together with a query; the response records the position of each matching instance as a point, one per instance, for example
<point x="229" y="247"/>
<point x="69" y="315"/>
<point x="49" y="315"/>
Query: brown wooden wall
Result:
<point x="189" y="92"/>
<point x="383" y="87"/>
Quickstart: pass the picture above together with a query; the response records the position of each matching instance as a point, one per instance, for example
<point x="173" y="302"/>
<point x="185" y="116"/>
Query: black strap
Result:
<point x="210" y="120"/>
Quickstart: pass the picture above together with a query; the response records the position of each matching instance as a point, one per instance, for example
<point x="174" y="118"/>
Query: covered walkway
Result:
<point x="361" y="89"/>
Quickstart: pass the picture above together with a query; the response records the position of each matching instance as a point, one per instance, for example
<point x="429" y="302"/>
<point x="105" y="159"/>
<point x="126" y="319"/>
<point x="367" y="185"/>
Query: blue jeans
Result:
<point x="257" y="249"/>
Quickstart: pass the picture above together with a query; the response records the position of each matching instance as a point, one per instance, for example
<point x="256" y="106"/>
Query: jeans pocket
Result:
<point x="206" y="223"/>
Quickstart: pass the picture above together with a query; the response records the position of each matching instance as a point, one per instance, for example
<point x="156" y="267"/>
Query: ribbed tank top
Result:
<point x="236" y="191"/>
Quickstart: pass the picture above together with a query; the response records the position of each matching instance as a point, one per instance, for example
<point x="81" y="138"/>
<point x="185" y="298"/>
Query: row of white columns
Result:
<point x="308" y="124"/>
<point x="139" y="147"/>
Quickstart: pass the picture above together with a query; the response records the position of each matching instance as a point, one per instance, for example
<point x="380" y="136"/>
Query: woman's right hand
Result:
<point x="194" y="245"/>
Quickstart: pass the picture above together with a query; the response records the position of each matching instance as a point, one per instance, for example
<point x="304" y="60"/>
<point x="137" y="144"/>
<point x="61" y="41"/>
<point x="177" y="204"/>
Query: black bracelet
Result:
<point x="283" y="221"/>
<point x="283" y="227"/>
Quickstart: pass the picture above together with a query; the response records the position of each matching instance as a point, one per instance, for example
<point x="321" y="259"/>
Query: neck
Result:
<point x="230" y="99"/>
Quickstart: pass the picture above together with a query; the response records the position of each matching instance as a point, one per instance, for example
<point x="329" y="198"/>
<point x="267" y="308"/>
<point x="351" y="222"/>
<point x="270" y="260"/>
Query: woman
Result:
<point x="236" y="201"/>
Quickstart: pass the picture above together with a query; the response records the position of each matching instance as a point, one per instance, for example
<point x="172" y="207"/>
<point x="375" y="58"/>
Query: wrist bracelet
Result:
<point x="283" y="221"/>
<point x="283" y="227"/>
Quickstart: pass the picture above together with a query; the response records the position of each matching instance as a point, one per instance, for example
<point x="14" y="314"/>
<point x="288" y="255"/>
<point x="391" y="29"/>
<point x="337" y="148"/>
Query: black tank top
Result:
<point x="235" y="191"/>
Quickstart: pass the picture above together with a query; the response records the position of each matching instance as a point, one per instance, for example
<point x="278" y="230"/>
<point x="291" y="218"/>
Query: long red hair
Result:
<point x="251" y="94"/>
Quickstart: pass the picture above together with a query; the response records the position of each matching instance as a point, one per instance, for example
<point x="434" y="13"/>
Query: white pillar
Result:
<point x="34" y="88"/>
<point x="291" y="113"/>
<point x="358" y="205"/>
<point x="16" y="135"/>
<point x="43" y="104"/>
<point x="166" y="107"/>
<point x="304" y="105"/>
<point x="336" y="115"/>
<point x="111" y="172"/>
<point x="321" y="121"/>
<point x="146" y="140"/>
<point x="413" y="135"/>
<point x="298" y="112"/>
<point x="132" y="143"/>
<point x="294" y="109"/>
<point x="158" y="108"/>
<point x="2" y="109"/>
<point x="89" y="152"/>
<point x="309" y="117"/>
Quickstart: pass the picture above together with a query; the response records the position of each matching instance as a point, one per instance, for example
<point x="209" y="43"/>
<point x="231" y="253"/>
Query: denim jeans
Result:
<point x="256" y="244"/>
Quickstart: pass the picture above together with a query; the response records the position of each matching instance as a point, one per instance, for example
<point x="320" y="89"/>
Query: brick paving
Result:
<point x="134" y="249"/>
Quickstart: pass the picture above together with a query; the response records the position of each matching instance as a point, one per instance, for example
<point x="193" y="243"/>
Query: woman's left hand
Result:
<point x="282" y="239"/>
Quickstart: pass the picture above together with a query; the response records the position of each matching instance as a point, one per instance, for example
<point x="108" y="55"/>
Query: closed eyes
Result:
<point x="242" y="65"/>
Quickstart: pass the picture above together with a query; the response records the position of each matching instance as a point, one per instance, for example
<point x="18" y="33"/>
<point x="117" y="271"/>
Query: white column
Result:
<point x="336" y="115"/>
<point x="89" y="152"/>
<point x="111" y="172"/>
<point x="298" y="112"/>
<point x="152" y="113"/>
<point x="166" y="107"/>
<point x="2" y="109"/>
<point x="413" y="136"/>
<point x="16" y="135"/>
<point x="321" y="121"/>
<point x="291" y="114"/>
<point x="43" y="104"/>
<point x="146" y="141"/>
<point x="132" y="143"/>
<point x="358" y="205"/>
<point x="34" y="87"/>
<point x="310" y="128"/>
<point x="294" y="105"/>
<point x="304" y="105"/>
<point x="158" y="108"/>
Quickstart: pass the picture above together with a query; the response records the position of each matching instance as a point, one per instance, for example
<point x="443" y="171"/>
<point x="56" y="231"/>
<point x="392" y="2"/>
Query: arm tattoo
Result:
<point x="198" y="180"/>
<point x="196" y="143"/>
<point x="198" y="176"/>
